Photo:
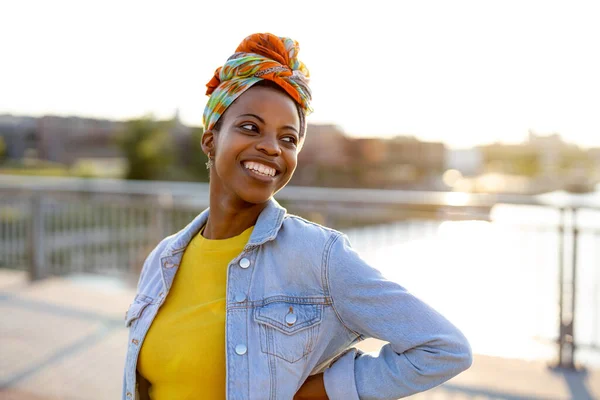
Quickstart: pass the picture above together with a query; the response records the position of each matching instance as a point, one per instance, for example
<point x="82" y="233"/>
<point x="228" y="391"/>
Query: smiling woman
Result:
<point x="250" y="302"/>
<point x="255" y="145"/>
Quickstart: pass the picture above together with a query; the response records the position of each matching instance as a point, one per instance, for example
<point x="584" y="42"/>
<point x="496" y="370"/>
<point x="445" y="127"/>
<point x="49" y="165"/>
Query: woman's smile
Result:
<point x="260" y="171"/>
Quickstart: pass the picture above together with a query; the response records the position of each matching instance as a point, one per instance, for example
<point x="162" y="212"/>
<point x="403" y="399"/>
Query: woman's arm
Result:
<point x="143" y="387"/>
<point x="424" y="348"/>
<point x="312" y="389"/>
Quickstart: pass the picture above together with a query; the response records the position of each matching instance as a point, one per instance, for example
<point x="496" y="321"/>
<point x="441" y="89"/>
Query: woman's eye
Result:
<point x="289" y="139"/>
<point x="249" y="127"/>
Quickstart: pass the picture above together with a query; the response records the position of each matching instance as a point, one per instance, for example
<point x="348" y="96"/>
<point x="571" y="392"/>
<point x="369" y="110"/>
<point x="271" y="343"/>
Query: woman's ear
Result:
<point x="208" y="142"/>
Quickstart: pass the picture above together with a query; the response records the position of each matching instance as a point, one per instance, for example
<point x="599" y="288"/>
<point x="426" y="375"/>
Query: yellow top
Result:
<point x="183" y="354"/>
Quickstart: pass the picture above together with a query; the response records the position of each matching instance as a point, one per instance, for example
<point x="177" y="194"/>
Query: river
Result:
<point x="498" y="280"/>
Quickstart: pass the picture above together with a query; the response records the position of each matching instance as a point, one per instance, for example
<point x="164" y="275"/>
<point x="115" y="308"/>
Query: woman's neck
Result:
<point x="229" y="217"/>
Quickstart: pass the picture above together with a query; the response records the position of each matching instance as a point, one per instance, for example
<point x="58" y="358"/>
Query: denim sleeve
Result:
<point x="424" y="348"/>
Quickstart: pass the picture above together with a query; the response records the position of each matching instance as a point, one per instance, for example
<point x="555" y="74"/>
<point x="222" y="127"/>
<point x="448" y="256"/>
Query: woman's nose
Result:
<point x="269" y="145"/>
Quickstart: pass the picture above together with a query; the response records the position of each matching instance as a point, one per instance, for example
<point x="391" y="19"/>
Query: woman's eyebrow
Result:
<point x="252" y="115"/>
<point x="263" y="121"/>
<point x="291" y="127"/>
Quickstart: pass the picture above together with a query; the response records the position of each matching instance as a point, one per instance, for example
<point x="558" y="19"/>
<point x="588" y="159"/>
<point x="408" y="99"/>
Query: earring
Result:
<point x="209" y="163"/>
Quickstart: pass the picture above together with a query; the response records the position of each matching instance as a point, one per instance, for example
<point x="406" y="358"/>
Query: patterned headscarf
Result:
<point x="261" y="56"/>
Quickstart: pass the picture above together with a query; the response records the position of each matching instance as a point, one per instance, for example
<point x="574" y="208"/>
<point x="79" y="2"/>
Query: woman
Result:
<point x="283" y="297"/>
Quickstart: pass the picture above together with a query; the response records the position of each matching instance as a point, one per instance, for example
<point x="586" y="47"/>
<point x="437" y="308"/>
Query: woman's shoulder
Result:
<point x="298" y="227"/>
<point x="300" y="222"/>
<point x="161" y="246"/>
<point x="152" y="261"/>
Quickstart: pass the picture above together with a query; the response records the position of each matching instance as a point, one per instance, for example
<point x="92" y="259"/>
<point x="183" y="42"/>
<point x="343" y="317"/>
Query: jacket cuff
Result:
<point x="339" y="380"/>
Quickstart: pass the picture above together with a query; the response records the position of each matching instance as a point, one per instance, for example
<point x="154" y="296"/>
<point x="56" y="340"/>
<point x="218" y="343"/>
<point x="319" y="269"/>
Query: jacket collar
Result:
<point x="267" y="226"/>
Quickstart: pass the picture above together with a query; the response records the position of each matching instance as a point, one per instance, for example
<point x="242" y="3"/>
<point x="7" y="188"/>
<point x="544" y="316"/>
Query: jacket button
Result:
<point x="290" y="319"/>
<point x="128" y="395"/>
<point x="169" y="265"/>
<point x="241" y="349"/>
<point x="135" y="341"/>
<point x="240" y="297"/>
<point x="244" y="263"/>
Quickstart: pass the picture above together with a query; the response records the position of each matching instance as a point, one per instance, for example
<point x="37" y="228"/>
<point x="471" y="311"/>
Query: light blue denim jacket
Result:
<point x="298" y="296"/>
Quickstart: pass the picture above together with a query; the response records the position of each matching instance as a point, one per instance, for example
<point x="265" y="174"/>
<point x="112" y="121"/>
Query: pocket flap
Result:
<point x="302" y="316"/>
<point x="135" y="309"/>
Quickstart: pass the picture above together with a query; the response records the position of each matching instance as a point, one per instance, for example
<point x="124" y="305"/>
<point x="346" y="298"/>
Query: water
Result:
<point x="497" y="281"/>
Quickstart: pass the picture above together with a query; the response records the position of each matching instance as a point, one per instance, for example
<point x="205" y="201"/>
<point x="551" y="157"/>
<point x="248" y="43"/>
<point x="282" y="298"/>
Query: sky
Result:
<point x="461" y="72"/>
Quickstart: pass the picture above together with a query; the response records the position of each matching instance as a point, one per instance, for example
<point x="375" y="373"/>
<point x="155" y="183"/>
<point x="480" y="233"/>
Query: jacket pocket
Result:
<point x="136" y="308"/>
<point x="288" y="330"/>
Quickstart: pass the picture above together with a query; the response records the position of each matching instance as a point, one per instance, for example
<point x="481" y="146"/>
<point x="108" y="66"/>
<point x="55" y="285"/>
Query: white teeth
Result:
<point x="260" y="168"/>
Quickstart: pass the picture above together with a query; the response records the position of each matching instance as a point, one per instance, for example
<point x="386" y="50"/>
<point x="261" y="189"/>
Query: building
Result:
<point x="427" y="157"/>
<point x="325" y="158"/>
<point x="325" y="145"/>
<point x="328" y="157"/>
<point x="67" y="139"/>
<point x="18" y="134"/>
<point x="371" y="151"/>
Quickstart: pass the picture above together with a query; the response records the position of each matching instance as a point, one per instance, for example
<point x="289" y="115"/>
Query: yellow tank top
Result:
<point x="183" y="354"/>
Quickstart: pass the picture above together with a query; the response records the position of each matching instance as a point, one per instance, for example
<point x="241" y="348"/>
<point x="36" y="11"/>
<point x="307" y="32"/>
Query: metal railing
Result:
<point x="509" y="268"/>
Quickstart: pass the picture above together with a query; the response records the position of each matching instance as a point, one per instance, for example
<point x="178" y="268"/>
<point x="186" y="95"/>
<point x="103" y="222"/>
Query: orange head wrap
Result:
<point x="261" y="56"/>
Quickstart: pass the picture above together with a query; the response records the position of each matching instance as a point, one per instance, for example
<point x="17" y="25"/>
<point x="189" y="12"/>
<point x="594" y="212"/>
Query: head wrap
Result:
<point x="261" y="56"/>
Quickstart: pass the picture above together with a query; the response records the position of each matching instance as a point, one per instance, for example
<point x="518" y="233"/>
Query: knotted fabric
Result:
<point x="261" y="56"/>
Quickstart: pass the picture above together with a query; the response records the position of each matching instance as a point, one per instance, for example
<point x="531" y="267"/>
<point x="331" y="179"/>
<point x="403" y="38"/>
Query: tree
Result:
<point x="197" y="160"/>
<point x="2" y="148"/>
<point x="146" y="144"/>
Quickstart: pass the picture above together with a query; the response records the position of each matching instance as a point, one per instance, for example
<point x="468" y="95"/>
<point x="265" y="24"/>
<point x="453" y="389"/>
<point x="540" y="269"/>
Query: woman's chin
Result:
<point x="255" y="197"/>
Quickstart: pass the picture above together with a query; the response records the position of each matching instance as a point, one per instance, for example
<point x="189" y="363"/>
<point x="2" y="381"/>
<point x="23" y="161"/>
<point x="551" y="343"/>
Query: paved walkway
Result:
<point x="64" y="339"/>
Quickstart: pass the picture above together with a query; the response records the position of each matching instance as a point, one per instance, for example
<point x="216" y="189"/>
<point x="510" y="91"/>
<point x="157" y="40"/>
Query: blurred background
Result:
<point x="456" y="143"/>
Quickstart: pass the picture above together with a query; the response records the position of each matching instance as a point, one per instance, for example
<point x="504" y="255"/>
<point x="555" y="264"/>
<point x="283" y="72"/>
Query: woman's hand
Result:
<point x="312" y="389"/>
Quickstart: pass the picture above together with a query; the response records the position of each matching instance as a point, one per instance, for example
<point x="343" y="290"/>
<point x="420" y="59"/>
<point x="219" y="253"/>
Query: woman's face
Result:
<point x="255" y="150"/>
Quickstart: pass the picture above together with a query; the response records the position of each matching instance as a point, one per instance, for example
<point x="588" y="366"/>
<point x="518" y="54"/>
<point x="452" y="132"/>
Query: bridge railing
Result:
<point x="514" y="265"/>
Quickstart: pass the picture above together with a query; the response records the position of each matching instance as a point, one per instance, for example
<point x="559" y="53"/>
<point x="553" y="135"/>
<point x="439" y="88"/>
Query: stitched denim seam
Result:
<point x="329" y="290"/>
<point x="316" y="320"/>
<point x="333" y="231"/>
<point x="317" y="300"/>
<point x="270" y="344"/>
<point x="324" y="263"/>
<point x="272" y="366"/>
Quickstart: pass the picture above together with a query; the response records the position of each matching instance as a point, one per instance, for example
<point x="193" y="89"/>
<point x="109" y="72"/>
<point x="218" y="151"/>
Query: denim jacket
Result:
<point x="298" y="297"/>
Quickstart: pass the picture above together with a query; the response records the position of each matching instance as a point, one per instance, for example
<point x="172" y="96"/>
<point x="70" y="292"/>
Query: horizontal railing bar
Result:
<point x="290" y="193"/>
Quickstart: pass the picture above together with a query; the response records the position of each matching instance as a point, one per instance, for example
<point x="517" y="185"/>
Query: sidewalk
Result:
<point x="64" y="339"/>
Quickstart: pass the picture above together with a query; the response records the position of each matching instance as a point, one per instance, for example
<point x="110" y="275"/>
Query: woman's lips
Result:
<point x="259" y="176"/>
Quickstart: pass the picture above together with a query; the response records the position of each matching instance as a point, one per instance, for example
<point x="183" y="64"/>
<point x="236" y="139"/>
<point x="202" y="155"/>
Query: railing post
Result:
<point x="561" y="282"/>
<point x="572" y="347"/>
<point x="36" y="240"/>
<point x="567" y="297"/>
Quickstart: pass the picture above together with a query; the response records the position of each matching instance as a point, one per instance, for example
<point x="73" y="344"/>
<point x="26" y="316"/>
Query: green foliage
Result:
<point x="147" y="147"/>
<point x="33" y="167"/>
<point x="196" y="159"/>
<point x="512" y="160"/>
<point x="2" y="148"/>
